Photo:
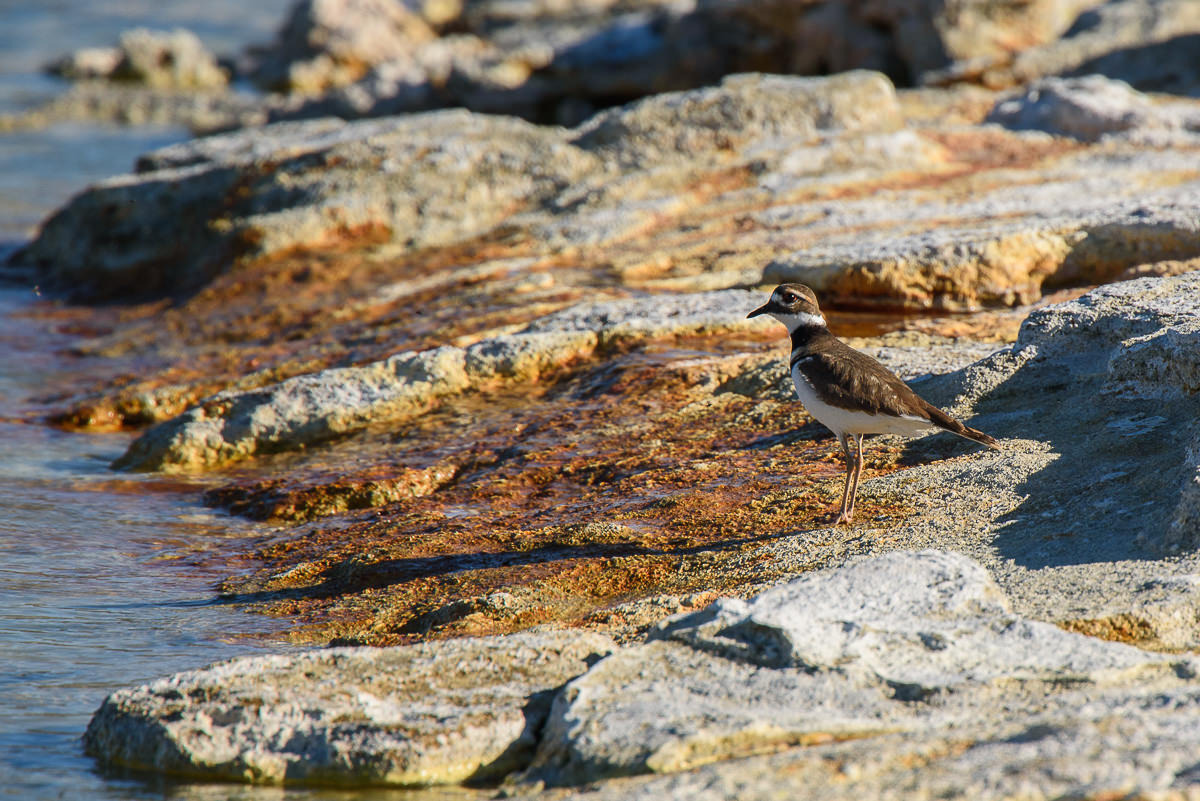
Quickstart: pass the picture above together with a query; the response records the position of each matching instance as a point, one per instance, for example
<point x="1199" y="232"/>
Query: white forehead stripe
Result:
<point x="801" y="320"/>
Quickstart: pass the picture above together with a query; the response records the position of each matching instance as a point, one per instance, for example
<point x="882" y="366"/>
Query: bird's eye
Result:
<point x="789" y="298"/>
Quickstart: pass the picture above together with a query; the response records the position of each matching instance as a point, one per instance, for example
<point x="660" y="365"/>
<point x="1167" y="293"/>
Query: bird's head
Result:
<point x="794" y="305"/>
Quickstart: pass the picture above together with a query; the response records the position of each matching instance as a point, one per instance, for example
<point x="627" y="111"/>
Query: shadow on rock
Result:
<point x="1101" y="396"/>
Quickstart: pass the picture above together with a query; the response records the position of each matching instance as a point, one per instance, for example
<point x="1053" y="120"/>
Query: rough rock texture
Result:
<point x="905" y="39"/>
<point x="893" y="676"/>
<point x="815" y="179"/>
<point x="907" y="642"/>
<point x="298" y="412"/>
<point x="560" y="61"/>
<point x="744" y="111"/>
<point x="426" y="714"/>
<point x="1088" y="518"/>
<point x="331" y="43"/>
<point x="424" y="180"/>
<point x="1147" y="43"/>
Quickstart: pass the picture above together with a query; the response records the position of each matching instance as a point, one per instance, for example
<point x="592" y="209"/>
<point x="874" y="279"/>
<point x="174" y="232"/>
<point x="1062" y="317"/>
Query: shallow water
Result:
<point x="103" y="580"/>
<point x="40" y="170"/>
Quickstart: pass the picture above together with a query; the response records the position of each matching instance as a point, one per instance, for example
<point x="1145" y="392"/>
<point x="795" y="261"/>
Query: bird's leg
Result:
<point x="858" y="466"/>
<point x="844" y="517"/>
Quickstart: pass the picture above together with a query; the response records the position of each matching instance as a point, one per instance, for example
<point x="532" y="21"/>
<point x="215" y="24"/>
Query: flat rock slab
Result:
<point x="913" y="642"/>
<point x="433" y="713"/>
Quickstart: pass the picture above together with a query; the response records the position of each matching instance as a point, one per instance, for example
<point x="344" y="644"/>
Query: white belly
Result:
<point x="844" y="421"/>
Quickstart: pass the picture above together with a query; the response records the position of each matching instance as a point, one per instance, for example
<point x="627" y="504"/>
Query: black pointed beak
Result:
<point x="763" y="309"/>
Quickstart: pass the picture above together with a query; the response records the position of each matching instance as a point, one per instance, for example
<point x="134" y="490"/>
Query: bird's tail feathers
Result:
<point x="945" y="421"/>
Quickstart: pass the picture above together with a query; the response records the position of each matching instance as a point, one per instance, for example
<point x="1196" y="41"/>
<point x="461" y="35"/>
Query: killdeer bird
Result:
<point x="848" y="392"/>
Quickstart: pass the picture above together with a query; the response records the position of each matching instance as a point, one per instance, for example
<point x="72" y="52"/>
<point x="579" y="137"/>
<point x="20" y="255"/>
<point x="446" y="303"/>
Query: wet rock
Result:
<point x="425" y="714"/>
<point x="331" y="43"/>
<point x="524" y="356"/>
<point x="914" y="642"/>
<point x="1091" y="108"/>
<point x="158" y="59"/>
<point x="308" y="409"/>
<point x="298" y="412"/>
<point x="270" y="501"/>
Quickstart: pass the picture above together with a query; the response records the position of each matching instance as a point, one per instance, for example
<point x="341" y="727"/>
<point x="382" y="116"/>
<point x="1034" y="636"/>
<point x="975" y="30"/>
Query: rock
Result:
<point x="913" y="642"/>
<point x="332" y="43"/>
<point x="119" y="103"/>
<point x="298" y="412"/>
<point x="87" y="64"/>
<point x="744" y="111"/>
<point x="1065" y="237"/>
<point x="524" y="356"/>
<point x="426" y="180"/>
<point x="1146" y="43"/>
<point x="435" y="713"/>
<point x="308" y="409"/>
<point x="904" y="40"/>
<point x="1101" y="392"/>
<point x="654" y="317"/>
<point x="175" y="60"/>
<point x="1094" y="750"/>
<point x="1090" y="109"/>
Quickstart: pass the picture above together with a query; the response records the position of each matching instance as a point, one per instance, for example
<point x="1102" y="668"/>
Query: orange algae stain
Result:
<point x="602" y="491"/>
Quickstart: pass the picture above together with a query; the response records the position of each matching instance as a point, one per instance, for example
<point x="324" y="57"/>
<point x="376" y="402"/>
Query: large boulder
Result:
<point x="436" y="713"/>
<point x="908" y="642"/>
<point x="425" y="180"/>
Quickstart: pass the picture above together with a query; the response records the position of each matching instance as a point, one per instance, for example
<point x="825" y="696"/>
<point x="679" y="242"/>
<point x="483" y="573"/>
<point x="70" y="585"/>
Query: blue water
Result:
<point x="103" y="581"/>
<point x="94" y="589"/>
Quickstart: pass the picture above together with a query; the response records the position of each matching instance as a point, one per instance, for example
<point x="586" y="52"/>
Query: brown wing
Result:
<point x="855" y="380"/>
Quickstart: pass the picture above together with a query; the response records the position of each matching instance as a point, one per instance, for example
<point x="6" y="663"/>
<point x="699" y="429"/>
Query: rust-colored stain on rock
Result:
<point x="616" y="483"/>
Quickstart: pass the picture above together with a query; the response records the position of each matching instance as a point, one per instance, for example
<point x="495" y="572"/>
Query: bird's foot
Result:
<point x="844" y="517"/>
